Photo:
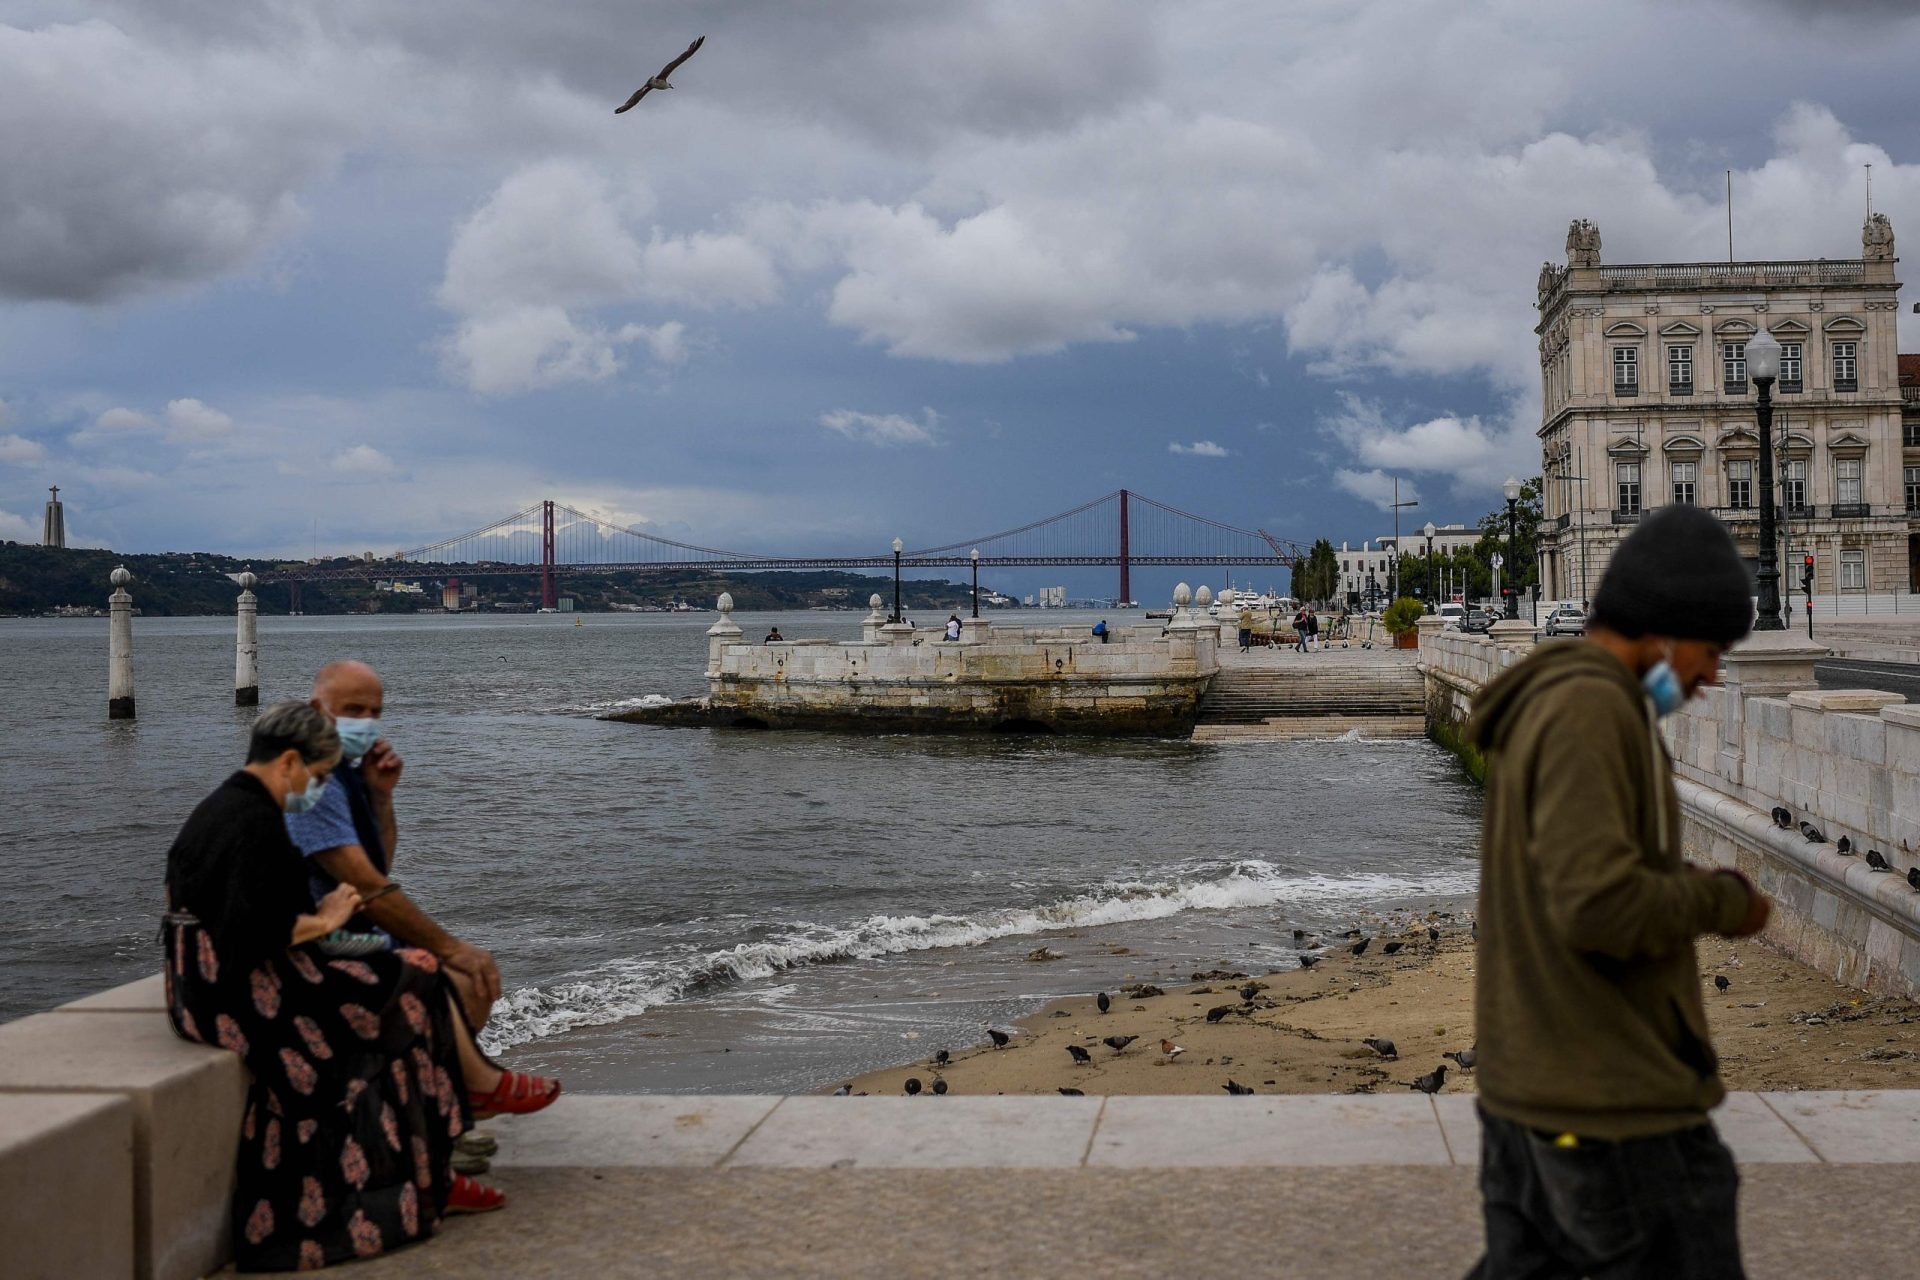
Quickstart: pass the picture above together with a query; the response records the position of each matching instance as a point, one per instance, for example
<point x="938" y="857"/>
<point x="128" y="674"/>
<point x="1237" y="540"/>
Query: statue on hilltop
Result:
<point x="1583" y="244"/>
<point x="1876" y="239"/>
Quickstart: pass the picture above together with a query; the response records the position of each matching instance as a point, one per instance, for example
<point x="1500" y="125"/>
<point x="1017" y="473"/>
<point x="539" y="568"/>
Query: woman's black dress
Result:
<point x="356" y="1095"/>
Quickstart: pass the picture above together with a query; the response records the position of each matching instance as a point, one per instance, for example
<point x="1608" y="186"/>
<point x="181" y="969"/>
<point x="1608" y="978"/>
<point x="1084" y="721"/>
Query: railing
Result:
<point x="1626" y="517"/>
<point x="1562" y="520"/>
<point x="1626" y="388"/>
<point x="1680" y="274"/>
<point x="1910" y="394"/>
<point x="1852" y="604"/>
<point x="1736" y="515"/>
<point x="1851" y="510"/>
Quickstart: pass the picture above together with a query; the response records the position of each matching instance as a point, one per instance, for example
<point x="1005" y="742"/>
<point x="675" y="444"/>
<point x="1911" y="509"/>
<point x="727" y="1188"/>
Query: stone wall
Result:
<point x="1847" y="761"/>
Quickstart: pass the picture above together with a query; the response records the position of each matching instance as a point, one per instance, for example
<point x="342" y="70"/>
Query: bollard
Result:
<point x="120" y="648"/>
<point x="246" y="646"/>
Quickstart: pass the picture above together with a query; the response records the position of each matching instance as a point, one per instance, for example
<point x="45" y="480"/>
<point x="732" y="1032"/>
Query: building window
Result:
<point x="1740" y="484"/>
<point x="1846" y="481"/>
<point x="1793" y="485"/>
<point x="1910" y="435"/>
<point x="1789" y="366"/>
<point x="1686" y="476"/>
<point x="1627" y="485"/>
<point x="1846" y="368"/>
<point x="1913" y="488"/>
<point x="1853" y="570"/>
<point x="1733" y="366"/>
<point x="1680" y="370"/>
<point x="1626" y="371"/>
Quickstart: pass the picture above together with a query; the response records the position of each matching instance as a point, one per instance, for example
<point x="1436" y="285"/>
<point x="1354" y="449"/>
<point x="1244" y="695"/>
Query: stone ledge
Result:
<point x="66" y="1186"/>
<point x="1867" y="700"/>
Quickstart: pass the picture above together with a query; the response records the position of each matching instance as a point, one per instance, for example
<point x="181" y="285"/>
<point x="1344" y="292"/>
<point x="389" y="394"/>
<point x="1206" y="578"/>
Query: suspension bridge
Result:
<point x="1120" y="529"/>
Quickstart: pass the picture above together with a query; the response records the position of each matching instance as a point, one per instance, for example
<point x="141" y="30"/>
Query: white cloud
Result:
<point x="1199" y="449"/>
<point x="362" y="461"/>
<point x="1469" y="453"/>
<point x="190" y="420"/>
<point x="21" y="451"/>
<point x="120" y="419"/>
<point x="1376" y="487"/>
<point x="15" y="528"/>
<point x="885" y="429"/>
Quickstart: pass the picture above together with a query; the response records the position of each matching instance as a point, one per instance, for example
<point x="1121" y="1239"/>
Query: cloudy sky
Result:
<point x="276" y="275"/>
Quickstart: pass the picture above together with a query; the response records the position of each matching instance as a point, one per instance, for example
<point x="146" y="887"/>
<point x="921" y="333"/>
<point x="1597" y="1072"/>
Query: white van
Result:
<point x="1451" y="615"/>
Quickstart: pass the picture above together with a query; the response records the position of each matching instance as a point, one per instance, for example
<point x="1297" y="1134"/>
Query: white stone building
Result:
<point x="1646" y="401"/>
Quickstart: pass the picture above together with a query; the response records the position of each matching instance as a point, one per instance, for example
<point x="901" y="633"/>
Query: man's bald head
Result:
<point x="349" y="689"/>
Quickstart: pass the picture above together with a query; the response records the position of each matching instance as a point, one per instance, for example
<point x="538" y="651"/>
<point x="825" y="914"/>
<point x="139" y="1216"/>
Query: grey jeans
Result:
<point x="1659" y="1208"/>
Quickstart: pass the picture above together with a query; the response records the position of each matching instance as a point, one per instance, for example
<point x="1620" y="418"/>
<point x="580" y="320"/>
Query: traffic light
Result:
<point x="1806" y="576"/>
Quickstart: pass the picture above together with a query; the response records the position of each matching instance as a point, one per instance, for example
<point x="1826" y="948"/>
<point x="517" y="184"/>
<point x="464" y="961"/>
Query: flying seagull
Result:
<point x="660" y="81"/>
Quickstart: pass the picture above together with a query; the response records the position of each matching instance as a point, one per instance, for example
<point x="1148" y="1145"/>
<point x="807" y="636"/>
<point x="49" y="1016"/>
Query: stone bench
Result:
<point x="66" y="1185"/>
<point x="114" y="1055"/>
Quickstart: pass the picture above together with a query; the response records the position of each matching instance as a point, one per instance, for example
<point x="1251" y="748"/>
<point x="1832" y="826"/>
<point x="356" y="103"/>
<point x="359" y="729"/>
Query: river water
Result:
<point x="694" y="911"/>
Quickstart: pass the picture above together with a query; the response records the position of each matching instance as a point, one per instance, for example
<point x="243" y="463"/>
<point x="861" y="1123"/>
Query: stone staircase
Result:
<point x="1307" y="700"/>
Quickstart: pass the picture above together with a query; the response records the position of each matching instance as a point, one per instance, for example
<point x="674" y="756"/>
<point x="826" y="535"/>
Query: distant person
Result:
<point x="1245" y="622"/>
<point x="363" y="1071"/>
<point x="773" y="637"/>
<point x="1596" y="1066"/>
<point x="953" y="626"/>
<point x="1100" y="629"/>
<point x="1300" y="629"/>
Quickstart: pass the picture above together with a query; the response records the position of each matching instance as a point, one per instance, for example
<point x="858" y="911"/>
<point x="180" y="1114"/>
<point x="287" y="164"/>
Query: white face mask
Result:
<point x="302" y="801"/>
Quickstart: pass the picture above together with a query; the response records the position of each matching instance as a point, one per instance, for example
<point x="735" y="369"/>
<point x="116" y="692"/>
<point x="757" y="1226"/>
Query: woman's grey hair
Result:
<point x="294" y="726"/>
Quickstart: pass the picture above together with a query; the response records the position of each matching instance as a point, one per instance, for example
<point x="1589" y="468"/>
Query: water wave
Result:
<point x="619" y="704"/>
<point x="627" y="988"/>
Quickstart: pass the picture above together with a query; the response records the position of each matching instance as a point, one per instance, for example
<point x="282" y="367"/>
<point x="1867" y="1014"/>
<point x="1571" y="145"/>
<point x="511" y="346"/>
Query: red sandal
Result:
<point x="517" y="1094"/>
<point x="468" y="1196"/>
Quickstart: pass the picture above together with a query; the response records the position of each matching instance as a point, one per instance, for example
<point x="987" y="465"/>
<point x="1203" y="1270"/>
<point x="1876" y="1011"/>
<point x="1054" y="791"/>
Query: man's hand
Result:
<point x="1758" y="908"/>
<point x="381" y="769"/>
<point x="478" y="966"/>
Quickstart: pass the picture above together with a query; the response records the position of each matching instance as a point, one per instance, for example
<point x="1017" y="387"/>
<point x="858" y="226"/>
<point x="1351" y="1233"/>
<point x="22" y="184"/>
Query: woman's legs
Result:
<point x="479" y="1075"/>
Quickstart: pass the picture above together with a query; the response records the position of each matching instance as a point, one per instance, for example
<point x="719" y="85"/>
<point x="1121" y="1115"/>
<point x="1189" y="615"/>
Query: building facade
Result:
<point x="1366" y="571"/>
<point x="1647" y="401"/>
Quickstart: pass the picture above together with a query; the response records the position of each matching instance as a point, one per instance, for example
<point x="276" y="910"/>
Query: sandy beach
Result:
<point x="1778" y="1025"/>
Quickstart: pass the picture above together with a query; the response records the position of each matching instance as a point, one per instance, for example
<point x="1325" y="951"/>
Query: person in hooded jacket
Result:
<point x="1596" y="1068"/>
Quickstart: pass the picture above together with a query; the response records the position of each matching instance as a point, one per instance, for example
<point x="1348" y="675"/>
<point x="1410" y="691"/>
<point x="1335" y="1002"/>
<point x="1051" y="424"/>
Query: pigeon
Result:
<point x="1117" y="1043"/>
<point x="1431" y="1082"/>
<point x="913" y="1085"/>
<point x="1360" y="948"/>
<point x="1391" y="947"/>
<point x="1433" y="935"/>
<point x="844" y="1091"/>
<point x="1249" y="991"/>
<point x="1079" y="1054"/>
<point x="1070" y="1093"/>
<point x="939" y="1085"/>
<point x="1876" y="861"/>
<point x="1782" y="818"/>
<point x="1844" y="844"/>
<point x="1385" y="1048"/>
<point x="1307" y="962"/>
<point x="1218" y="1012"/>
<point x="660" y="81"/>
<point x="1171" y="1049"/>
<point x="999" y="1038"/>
<point x="941" y="1058"/>
<point x="1104" y="1003"/>
<point x="1720" y="982"/>
<point x="1812" y="832"/>
<point x="1236" y="1089"/>
<point x="1466" y="1057"/>
<point x="1913" y="877"/>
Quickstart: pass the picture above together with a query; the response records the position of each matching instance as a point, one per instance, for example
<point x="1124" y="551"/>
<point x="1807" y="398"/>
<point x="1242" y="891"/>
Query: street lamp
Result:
<point x="898" y="547"/>
<point x="1431" y="606"/>
<point x="1763" y="366"/>
<point x="1512" y="491"/>
<point x="974" y="556"/>
<point x="1397" y="504"/>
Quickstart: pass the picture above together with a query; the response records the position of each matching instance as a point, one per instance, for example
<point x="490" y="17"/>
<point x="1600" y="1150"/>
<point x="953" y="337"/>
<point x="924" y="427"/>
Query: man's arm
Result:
<point x="401" y="917"/>
<point x="1584" y="836"/>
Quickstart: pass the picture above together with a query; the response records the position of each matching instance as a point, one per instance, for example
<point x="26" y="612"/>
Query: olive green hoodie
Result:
<point x="1588" y="1005"/>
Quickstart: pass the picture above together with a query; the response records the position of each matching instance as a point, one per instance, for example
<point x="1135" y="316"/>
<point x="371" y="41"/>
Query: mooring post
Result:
<point x="120" y="647"/>
<point x="246" y="646"/>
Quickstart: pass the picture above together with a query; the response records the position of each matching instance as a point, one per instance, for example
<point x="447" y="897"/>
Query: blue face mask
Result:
<point x="1663" y="686"/>
<point x="357" y="735"/>
<point x="301" y="801"/>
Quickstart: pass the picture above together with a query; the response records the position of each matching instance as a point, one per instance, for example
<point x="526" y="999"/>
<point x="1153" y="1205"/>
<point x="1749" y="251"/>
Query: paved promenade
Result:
<point x="1319" y="1186"/>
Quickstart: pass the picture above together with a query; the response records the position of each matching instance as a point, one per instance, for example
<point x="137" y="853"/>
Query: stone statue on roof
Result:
<point x="1876" y="239"/>
<point x="1583" y="244"/>
<point x="1550" y="277"/>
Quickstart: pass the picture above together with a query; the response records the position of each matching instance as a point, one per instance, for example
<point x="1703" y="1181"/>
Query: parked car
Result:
<point x="1477" y="621"/>
<point x="1565" y="621"/>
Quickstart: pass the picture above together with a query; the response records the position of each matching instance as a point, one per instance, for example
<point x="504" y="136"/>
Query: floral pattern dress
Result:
<point x="356" y="1095"/>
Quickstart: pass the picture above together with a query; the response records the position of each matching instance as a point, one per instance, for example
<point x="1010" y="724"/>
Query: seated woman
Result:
<point x="364" y="1070"/>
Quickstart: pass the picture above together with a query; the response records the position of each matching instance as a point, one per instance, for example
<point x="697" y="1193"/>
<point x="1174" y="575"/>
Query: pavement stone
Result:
<point x="655" y="1130"/>
<point x="1875" y="1126"/>
<point x="923" y="1133"/>
<point x="1312" y="1129"/>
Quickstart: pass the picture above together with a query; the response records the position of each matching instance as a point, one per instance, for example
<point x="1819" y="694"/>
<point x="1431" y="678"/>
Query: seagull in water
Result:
<point x="660" y="81"/>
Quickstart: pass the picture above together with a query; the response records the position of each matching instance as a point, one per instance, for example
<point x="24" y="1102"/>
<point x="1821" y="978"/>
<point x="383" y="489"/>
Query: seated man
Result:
<point x="773" y="637"/>
<point x="1100" y="629"/>
<point x="350" y="836"/>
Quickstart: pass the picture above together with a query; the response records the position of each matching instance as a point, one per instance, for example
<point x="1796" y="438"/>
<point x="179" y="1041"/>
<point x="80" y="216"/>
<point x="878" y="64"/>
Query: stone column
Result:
<point x="246" y="646"/>
<point x="120" y="648"/>
<point x="720" y="635"/>
<point x="1228" y="619"/>
<point x="1182" y="632"/>
<point x="976" y="631"/>
<point x="876" y="618"/>
<point x="1513" y="633"/>
<point x="1767" y="664"/>
<point x="1429" y="628"/>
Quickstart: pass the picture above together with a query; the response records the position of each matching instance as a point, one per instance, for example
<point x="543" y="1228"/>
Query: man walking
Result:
<point x="1596" y="1070"/>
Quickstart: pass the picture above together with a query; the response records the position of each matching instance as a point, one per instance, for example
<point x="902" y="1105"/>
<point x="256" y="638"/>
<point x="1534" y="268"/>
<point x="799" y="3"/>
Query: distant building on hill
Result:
<point x="53" y="528"/>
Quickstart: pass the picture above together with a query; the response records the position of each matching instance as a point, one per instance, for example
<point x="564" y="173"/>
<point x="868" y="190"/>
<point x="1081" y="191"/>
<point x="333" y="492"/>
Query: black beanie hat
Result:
<point x="1678" y="575"/>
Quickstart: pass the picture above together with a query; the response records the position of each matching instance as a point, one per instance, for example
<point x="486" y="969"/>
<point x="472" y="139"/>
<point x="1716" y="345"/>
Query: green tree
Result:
<point x="1522" y="567"/>
<point x="1317" y="578"/>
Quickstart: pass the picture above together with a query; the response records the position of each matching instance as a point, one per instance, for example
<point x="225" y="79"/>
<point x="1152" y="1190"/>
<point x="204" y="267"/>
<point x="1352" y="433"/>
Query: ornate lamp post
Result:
<point x="1512" y="491"/>
<point x="898" y="547"/>
<point x="974" y="556"/>
<point x="1431" y="605"/>
<point x="1763" y="366"/>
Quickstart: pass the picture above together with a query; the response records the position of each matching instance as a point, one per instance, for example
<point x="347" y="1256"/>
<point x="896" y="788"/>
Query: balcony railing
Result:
<point x="1787" y="388"/>
<point x="1562" y="520"/>
<point x="1626" y="517"/>
<point x="1679" y="388"/>
<point x="1737" y="515"/>
<point x="1681" y="274"/>
<point x="1846" y="384"/>
<point x="1626" y="388"/>
<point x="1735" y="388"/>
<point x="1851" y="510"/>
